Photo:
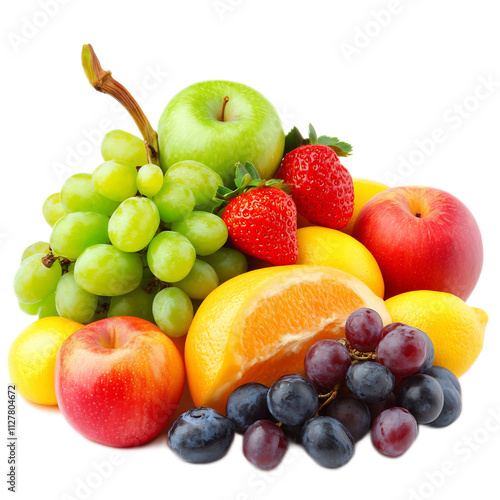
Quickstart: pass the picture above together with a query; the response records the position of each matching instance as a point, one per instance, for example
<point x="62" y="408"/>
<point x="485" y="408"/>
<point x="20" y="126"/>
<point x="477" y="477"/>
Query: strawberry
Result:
<point x="322" y="188"/>
<point x="261" y="218"/>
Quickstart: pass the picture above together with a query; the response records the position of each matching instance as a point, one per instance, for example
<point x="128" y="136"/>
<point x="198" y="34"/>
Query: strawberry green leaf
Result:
<point x="223" y="190"/>
<point x="313" y="137"/>
<point x="252" y="171"/>
<point x="293" y="140"/>
<point x="241" y="171"/>
<point x="341" y="148"/>
<point x="246" y="181"/>
<point x="274" y="182"/>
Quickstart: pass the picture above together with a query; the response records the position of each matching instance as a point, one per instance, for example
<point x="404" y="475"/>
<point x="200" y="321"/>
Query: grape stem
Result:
<point x="355" y="354"/>
<point x="330" y="396"/>
<point x="49" y="259"/>
<point x="103" y="82"/>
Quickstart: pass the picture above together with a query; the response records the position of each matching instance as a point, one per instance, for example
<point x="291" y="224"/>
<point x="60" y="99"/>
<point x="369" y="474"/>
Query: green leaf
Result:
<point x="293" y="140"/>
<point x="223" y="190"/>
<point x="340" y="147"/>
<point x="252" y="171"/>
<point x="241" y="171"/>
<point x="258" y="183"/>
<point x="246" y="181"/>
<point x="274" y="182"/>
<point x="313" y="137"/>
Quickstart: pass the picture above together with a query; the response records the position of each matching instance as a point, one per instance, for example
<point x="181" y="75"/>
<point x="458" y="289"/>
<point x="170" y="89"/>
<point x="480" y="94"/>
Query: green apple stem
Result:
<point x="103" y="82"/>
<point x="226" y="99"/>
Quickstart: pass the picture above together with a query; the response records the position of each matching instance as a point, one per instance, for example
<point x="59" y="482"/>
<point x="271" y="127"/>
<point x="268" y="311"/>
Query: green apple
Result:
<point x="220" y="123"/>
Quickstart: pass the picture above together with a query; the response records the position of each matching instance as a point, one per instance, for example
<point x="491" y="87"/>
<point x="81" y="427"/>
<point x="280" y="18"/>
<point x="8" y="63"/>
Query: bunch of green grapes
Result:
<point x="129" y="240"/>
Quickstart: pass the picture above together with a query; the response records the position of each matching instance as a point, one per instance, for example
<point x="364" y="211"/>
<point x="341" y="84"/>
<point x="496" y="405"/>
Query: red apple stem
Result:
<point x="226" y="99"/>
<point x="418" y="214"/>
<point x="103" y="82"/>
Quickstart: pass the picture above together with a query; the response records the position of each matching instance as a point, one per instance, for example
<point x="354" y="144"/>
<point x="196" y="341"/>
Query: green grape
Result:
<point x="115" y="181"/>
<point x="38" y="247"/>
<point x="147" y="277"/>
<point x="173" y="311"/>
<point x="202" y="180"/>
<point x="207" y="232"/>
<point x="174" y="201"/>
<point x="138" y="303"/>
<point x="53" y="209"/>
<point x="134" y="224"/>
<point x="33" y="281"/>
<point x="31" y="309"/>
<point x="201" y="280"/>
<point x="227" y="263"/>
<point x="105" y="270"/>
<point x="124" y="147"/>
<point x="170" y="256"/>
<point x="149" y="179"/>
<point x="48" y="307"/>
<point x="77" y="231"/>
<point x="78" y="194"/>
<point x="73" y="302"/>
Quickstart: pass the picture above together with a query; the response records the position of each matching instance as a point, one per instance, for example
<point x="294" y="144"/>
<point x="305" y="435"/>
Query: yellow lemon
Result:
<point x="32" y="358"/>
<point x="364" y="190"/>
<point x="321" y="246"/>
<point x="456" y="329"/>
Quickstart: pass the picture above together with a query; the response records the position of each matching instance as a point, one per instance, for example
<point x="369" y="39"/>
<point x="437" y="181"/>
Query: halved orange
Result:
<point x="259" y="326"/>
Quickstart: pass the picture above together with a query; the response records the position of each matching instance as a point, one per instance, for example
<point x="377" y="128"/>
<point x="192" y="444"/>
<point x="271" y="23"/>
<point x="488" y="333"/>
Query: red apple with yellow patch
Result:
<point x="119" y="380"/>
<point x="423" y="239"/>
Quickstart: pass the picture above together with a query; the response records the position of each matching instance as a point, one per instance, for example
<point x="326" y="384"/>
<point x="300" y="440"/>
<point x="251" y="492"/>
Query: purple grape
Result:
<point x="452" y="407"/>
<point x="377" y="408"/>
<point x="423" y="397"/>
<point x="440" y="373"/>
<point x="246" y="405"/>
<point x="201" y="435"/>
<point x="264" y="444"/>
<point x="390" y="327"/>
<point x="353" y="414"/>
<point x="292" y="432"/>
<point x="394" y="431"/>
<point x="327" y="441"/>
<point x="363" y="329"/>
<point x="370" y="381"/>
<point x="429" y="359"/>
<point x="403" y="350"/>
<point x="292" y="399"/>
<point x="326" y="363"/>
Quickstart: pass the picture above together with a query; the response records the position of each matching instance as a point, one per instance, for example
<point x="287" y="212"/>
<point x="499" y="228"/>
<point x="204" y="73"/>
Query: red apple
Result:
<point x="423" y="239"/>
<point x="119" y="380"/>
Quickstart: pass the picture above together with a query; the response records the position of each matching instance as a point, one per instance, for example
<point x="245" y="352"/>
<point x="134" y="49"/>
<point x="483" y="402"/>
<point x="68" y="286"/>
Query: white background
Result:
<point x="411" y="75"/>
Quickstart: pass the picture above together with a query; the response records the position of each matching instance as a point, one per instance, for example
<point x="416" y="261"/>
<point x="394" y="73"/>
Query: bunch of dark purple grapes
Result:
<point x="378" y="378"/>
